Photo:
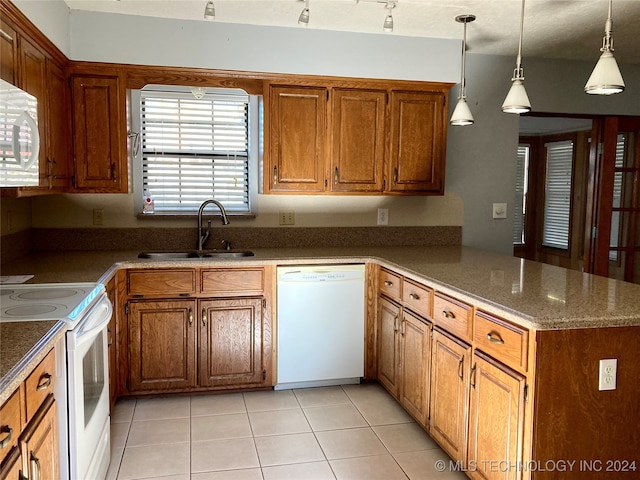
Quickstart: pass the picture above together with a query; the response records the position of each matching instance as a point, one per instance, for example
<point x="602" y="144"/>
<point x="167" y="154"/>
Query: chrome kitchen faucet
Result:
<point x="202" y="238"/>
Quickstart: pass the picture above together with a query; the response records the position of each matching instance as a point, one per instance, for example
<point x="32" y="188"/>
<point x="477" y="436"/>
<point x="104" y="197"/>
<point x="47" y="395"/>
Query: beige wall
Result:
<point x="15" y="215"/>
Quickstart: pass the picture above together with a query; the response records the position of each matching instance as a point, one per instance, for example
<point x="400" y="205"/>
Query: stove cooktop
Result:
<point x="46" y="301"/>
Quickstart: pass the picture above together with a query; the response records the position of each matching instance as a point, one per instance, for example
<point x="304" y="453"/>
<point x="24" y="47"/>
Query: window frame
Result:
<point x="254" y="123"/>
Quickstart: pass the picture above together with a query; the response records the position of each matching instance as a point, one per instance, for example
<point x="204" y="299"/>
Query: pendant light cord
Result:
<point x="463" y="80"/>
<point x="518" y="73"/>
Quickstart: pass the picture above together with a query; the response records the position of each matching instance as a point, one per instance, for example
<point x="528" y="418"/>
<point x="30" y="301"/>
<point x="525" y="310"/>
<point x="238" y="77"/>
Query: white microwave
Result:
<point x="19" y="137"/>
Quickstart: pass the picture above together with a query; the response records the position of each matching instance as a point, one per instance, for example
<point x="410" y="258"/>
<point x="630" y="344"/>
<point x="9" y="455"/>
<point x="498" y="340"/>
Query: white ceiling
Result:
<point x="571" y="29"/>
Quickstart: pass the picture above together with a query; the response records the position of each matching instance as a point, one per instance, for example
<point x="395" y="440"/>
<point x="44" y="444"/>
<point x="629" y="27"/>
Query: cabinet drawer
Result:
<point x="390" y="284"/>
<point x="39" y="384"/>
<point x="502" y="340"/>
<point x="169" y="282"/>
<point x="417" y="297"/>
<point x="453" y="315"/>
<point x="9" y="424"/>
<point x="231" y="282"/>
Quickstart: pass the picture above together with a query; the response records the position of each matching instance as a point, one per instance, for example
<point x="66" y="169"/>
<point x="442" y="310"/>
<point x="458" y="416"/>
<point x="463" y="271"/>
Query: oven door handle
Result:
<point x="99" y="316"/>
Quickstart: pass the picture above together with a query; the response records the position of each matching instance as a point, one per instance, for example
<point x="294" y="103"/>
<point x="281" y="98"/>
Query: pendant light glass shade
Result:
<point x="517" y="100"/>
<point x="387" y="26"/>
<point x="606" y="78"/>
<point x="303" y="19"/>
<point x="462" y="113"/>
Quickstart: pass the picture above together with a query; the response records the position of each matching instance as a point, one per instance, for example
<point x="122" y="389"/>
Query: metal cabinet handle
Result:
<point x="414" y="296"/>
<point x="114" y="176"/>
<point x="190" y="316"/>
<point x="473" y="376"/>
<point x="204" y="317"/>
<point x="395" y="324"/>
<point x="388" y="283"/>
<point x="404" y="320"/>
<point x="6" y="440"/>
<point x="35" y="460"/>
<point x="395" y="175"/>
<point x="336" y="175"/>
<point x="448" y="314"/>
<point x="275" y="175"/>
<point x="494" y="337"/>
<point x="43" y="385"/>
<point x="461" y="367"/>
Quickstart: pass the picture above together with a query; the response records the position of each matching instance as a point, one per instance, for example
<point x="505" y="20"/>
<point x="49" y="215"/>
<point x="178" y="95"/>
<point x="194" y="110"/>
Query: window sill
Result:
<point x="193" y="215"/>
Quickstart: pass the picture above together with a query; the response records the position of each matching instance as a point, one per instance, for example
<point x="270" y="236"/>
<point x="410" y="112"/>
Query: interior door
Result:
<point x="613" y="238"/>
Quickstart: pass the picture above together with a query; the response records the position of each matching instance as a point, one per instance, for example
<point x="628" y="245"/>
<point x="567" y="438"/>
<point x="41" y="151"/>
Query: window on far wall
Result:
<point x="557" y="194"/>
<point x="194" y="149"/>
<point x="522" y="182"/>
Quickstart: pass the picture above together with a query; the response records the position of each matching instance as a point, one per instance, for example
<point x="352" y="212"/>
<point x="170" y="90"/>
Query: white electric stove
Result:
<point x="82" y="383"/>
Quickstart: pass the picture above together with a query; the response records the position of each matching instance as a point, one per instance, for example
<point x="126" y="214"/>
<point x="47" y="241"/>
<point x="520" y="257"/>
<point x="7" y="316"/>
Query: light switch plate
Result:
<point x="287" y="217"/>
<point x="499" y="210"/>
<point x="383" y="216"/>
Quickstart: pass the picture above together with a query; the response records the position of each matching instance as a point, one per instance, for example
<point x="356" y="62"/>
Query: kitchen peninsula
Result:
<point x="554" y="325"/>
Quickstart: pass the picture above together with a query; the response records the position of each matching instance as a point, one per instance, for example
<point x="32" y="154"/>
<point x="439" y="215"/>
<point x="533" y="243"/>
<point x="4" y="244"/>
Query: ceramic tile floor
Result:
<point x="350" y="432"/>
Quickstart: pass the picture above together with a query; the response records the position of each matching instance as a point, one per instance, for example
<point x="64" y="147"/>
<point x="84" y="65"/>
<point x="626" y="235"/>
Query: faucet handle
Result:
<point x="226" y="244"/>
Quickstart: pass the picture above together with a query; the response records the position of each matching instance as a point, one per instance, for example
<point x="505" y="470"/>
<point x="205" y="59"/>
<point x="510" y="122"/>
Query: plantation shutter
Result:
<point x="557" y="199"/>
<point x="194" y="150"/>
<point x="522" y="167"/>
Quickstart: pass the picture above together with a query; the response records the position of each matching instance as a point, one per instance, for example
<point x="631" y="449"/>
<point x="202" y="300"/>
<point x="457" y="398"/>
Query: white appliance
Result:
<point x="19" y="137"/>
<point x="320" y="325"/>
<point x="83" y="387"/>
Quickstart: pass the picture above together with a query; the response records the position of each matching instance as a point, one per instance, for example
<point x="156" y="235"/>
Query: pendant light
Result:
<point x="606" y="78"/>
<point x="517" y="100"/>
<point x="462" y="114"/>
<point x="387" y="26"/>
<point x="210" y="11"/>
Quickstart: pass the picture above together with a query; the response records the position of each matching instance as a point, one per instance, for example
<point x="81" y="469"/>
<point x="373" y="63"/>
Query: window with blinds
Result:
<point x="557" y="196"/>
<point x="195" y="149"/>
<point x="522" y="181"/>
<point x="616" y="230"/>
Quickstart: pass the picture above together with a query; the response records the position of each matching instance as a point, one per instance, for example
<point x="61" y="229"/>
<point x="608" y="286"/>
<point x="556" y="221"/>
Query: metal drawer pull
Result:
<point x="47" y="381"/>
<point x="402" y="326"/>
<point x="204" y="317"/>
<point x="473" y="376"/>
<point x="414" y="296"/>
<point x="35" y="460"/>
<point x="448" y="314"/>
<point x="388" y="283"/>
<point x="190" y="317"/>
<point x="460" y="367"/>
<point x="395" y="324"/>
<point x="6" y="440"/>
<point x="494" y="337"/>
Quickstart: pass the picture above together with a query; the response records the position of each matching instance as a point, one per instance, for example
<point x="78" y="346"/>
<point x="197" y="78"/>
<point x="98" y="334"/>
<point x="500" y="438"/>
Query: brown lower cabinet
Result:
<point x="496" y="420"/>
<point x="40" y="443"/>
<point x="450" y="364"/>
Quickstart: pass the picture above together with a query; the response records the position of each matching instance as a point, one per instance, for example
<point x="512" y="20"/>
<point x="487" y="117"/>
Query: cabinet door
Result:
<point x="449" y="394"/>
<point x="11" y="467"/>
<point x="231" y="342"/>
<point x="8" y="53"/>
<point x="162" y="336"/>
<point x="40" y="443"/>
<point x="58" y="129"/>
<point x="418" y="141"/>
<point x="415" y="364"/>
<point x="99" y="139"/>
<point x="496" y="420"/>
<point x="389" y="345"/>
<point x="358" y="140"/>
<point x="297" y="124"/>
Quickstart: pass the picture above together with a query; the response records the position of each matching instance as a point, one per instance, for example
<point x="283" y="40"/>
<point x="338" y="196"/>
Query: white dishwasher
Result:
<point x="320" y="325"/>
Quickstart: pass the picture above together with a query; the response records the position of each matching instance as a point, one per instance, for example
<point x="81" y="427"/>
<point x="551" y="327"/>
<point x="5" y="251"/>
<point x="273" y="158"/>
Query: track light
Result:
<point x="606" y="78"/>
<point x="462" y="114"/>
<point x="303" y="19"/>
<point x="517" y="100"/>
<point x="387" y="26"/>
<point x="210" y="11"/>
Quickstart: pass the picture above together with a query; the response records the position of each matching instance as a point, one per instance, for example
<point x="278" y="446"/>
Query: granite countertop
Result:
<point x="531" y="294"/>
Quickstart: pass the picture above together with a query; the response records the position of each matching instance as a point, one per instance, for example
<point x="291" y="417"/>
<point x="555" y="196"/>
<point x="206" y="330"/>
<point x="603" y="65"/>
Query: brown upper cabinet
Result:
<point x="355" y="137"/>
<point x="8" y="53"/>
<point x="99" y="127"/>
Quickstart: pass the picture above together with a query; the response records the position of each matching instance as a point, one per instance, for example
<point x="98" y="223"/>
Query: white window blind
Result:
<point x="615" y="237"/>
<point x="557" y="198"/>
<point x="195" y="149"/>
<point x="522" y="175"/>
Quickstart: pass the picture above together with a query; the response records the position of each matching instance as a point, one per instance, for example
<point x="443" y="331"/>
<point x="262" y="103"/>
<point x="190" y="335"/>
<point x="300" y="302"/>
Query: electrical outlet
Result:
<point x="607" y="376"/>
<point x="98" y="216"/>
<point x="383" y="216"/>
<point x="287" y="217"/>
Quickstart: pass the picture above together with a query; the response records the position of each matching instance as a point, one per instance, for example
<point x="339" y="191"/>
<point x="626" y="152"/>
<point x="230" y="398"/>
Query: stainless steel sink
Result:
<point x="173" y="255"/>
